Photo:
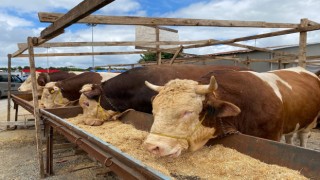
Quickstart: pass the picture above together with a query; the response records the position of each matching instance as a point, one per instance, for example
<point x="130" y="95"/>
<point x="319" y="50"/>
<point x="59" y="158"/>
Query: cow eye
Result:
<point x="186" y="113"/>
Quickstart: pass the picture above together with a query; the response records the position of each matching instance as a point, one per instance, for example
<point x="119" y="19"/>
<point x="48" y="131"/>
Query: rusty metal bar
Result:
<point x="49" y="156"/>
<point x="271" y="152"/>
<point x="122" y="164"/>
<point x="22" y="100"/>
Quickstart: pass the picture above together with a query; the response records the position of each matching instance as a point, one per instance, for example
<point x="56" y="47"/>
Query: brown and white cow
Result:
<point x="128" y="91"/>
<point x="94" y="113"/>
<point x="27" y="85"/>
<point x="66" y="92"/>
<point x="267" y="105"/>
<point x="44" y="78"/>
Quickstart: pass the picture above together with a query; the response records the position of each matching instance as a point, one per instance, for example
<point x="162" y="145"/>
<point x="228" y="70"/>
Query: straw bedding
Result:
<point x="214" y="162"/>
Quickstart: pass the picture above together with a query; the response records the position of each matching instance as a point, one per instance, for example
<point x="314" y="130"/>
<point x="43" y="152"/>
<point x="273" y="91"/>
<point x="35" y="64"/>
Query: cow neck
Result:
<point x="105" y="100"/>
<point x="100" y="110"/>
<point x="218" y="123"/>
<point x="224" y="131"/>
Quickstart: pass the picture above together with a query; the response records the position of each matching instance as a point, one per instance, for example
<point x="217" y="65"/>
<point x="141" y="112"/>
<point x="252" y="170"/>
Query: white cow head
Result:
<point x="27" y="85"/>
<point x="94" y="113"/>
<point x="52" y="97"/>
<point x="178" y="113"/>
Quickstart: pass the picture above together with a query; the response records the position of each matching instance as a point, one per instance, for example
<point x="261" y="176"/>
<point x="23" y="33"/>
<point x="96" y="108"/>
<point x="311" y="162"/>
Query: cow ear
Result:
<point x="41" y="82"/>
<point x="51" y="90"/>
<point x="152" y="98"/>
<point x="93" y="93"/>
<point x="222" y="108"/>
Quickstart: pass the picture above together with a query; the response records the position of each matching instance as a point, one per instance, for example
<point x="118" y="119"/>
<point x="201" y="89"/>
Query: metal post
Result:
<point x="36" y="104"/>
<point x="92" y="25"/>
<point x="9" y="89"/>
<point x="49" y="157"/>
<point x="16" y="107"/>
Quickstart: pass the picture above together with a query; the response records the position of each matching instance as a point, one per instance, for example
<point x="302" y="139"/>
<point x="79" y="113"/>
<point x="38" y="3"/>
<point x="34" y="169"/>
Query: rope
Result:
<point x="185" y="138"/>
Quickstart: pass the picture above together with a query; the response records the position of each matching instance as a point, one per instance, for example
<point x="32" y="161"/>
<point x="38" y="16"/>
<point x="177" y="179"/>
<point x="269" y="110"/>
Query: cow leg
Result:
<point x="303" y="137"/>
<point x="305" y="134"/>
<point x="289" y="138"/>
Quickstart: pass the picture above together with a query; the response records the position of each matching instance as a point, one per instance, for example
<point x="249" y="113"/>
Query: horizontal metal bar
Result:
<point x="103" y="150"/>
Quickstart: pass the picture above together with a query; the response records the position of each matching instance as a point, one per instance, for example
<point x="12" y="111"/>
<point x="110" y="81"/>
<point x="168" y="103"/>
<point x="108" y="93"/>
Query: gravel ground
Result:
<point x="19" y="157"/>
<point x="19" y="154"/>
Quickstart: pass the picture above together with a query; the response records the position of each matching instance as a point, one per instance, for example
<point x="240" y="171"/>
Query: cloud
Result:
<point x="22" y="6"/>
<point x="20" y="21"/>
<point x="9" y="22"/>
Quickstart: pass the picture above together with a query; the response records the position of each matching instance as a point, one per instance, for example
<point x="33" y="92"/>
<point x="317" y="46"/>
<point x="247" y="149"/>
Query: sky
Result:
<point x="19" y="20"/>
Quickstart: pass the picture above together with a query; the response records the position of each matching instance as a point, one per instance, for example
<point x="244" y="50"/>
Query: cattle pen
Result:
<point x="304" y="160"/>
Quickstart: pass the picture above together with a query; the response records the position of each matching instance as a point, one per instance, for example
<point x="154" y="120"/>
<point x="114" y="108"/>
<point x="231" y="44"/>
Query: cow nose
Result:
<point x="154" y="149"/>
<point x="85" y="103"/>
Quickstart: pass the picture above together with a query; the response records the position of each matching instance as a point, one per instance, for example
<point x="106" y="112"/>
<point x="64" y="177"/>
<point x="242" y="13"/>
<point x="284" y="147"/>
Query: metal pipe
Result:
<point x="101" y="150"/>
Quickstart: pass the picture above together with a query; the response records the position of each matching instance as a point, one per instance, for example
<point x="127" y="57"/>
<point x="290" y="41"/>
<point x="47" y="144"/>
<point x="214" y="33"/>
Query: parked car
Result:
<point x="15" y="83"/>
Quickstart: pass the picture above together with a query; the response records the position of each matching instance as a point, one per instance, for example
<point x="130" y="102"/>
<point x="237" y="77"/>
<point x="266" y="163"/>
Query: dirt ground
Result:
<point x="19" y="157"/>
<point x="19" y="154"/>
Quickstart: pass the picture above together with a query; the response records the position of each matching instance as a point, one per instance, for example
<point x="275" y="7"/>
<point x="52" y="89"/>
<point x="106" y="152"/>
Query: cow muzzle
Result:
<point x="165" y="146"/>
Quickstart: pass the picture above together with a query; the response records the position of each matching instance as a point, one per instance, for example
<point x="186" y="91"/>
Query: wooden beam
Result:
<point x="9" y="90"/>
<point x="311" y="23"/>
<point x="36" y="106"/>
<point x="145" y="43"/>
<point x="246" y="38"/>
<point x="80" y="11"/>
<point x="123" y="43"/>
<point x="84" y="54"/>
<point x="303" y="44"/>
<point x="176" y="55"/>
<point x="20" y="51"/>
<point x="147" y="21"/>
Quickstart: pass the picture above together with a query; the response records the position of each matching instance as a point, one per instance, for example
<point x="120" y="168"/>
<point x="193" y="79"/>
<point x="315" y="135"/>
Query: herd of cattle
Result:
<point x="192" y="104"/>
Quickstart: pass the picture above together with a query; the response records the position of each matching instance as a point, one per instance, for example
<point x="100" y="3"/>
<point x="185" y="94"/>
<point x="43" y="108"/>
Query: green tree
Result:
<point x="153" y="57"/>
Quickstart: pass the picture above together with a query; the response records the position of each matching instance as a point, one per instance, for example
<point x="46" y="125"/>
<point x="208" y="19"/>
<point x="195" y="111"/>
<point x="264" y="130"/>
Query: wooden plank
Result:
<point x="80" y="11"/>
<point x="147" y="21"/>
<point x="158" y="53"/>
<point x="175" y="55"/>
<point x="36" y="106"/>
<point x="16" y="123"/>
<point x="146" y="43"/>
<point x="84" y="54"/>
<point x="303" y="44"/>
<point x="246" y="38"/>
<point x="311" y="23"/>
<point x="9" y="90"/>
<point x="116" y="43"/>
<point x="20" y="51"/>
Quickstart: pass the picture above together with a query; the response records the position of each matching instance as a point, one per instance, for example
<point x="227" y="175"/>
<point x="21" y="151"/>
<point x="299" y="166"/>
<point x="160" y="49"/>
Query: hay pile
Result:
<point x="213" y="162"/>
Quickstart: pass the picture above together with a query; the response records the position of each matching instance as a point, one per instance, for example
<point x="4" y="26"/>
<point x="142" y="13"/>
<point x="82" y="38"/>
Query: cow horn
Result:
<point x="204" y="89"/>
<point x="153" y="87"/>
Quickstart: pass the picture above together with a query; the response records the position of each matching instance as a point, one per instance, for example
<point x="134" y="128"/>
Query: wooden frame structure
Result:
<point x="80" y="14"/>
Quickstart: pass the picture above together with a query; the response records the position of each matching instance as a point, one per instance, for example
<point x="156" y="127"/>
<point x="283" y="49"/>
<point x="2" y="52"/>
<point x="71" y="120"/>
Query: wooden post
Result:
<point x="248" y="62"/>
<point x="36" y="105"/>
<point x="303" y="44"/>
<point x="157" y="46"/>
<point x="176" y="54"/>
<point x="279" y="64"/>
<point x="9" y="89"/>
